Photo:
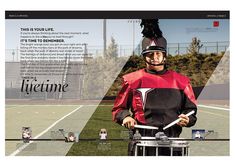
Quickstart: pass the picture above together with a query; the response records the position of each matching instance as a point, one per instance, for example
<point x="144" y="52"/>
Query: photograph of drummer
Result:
<point x="155" y="96"/>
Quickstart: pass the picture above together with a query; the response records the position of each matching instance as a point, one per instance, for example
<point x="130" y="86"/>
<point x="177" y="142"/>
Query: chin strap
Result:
<point x="160" y="64"/>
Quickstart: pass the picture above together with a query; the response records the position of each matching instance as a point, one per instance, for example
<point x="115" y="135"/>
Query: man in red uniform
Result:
<point x="155" y="96"/>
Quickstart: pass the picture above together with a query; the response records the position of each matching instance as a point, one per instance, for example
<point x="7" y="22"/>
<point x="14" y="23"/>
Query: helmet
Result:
<point x="153" y="44"/>
<point x="152" y="39"/>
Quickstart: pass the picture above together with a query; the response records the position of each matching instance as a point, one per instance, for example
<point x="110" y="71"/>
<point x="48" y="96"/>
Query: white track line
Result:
<point x="43" y="132"/>
<point x="7" y="108"/>
<point x="46" y="105"/>
<point x="212" y="107"/>
<point x="56" y="105"/>
<point x="215" y="114"/>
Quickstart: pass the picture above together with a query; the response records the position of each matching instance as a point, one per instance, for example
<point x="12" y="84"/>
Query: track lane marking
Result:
<point x="43" y="132"/>
<point x="213" y="107"/>
<point x="207" y="112"/>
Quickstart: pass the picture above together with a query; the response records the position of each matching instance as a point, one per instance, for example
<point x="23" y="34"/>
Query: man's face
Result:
<point x="155" y="58"/>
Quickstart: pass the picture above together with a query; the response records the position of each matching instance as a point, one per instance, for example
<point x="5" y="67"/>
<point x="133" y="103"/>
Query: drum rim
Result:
<point x="147" y="137"/>
<point x="170" y="138"/>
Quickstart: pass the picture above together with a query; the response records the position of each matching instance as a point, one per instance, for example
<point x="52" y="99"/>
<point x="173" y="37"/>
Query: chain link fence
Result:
<point x="13" y="54"/>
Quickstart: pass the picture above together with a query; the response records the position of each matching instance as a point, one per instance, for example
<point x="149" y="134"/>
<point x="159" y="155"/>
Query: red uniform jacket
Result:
<point x="155" y="99"/>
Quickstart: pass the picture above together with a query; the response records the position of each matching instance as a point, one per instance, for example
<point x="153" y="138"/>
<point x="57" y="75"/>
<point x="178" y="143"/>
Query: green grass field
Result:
<point x="100" y="119"/>
<point x="208" y="119"/>
<point x="88" y="120"/>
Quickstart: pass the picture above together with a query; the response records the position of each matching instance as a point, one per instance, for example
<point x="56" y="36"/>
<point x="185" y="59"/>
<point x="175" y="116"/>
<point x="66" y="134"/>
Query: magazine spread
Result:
<point x="117" y="83"/>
